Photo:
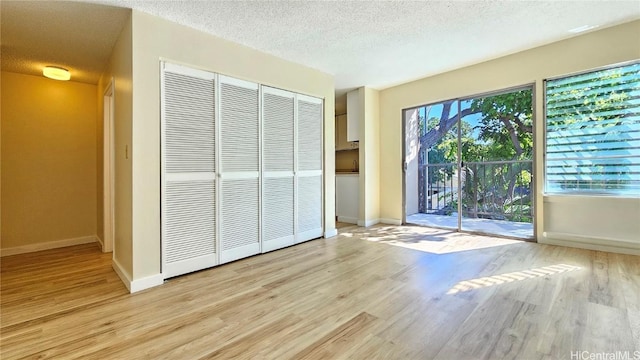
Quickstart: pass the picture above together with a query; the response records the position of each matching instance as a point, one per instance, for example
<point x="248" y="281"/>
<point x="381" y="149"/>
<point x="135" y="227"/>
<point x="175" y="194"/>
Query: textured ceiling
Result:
<point x="373" y="43"/>
<point x="76" y="36"/>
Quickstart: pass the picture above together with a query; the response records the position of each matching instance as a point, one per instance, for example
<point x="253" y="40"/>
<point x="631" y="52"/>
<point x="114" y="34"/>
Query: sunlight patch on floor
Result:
<point x="488" y="226"/>
<point x="431" y="240"/>
<point x="494" y="280"/>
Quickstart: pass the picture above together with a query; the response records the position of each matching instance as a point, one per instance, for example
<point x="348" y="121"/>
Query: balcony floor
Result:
<point x="514" y="229"/>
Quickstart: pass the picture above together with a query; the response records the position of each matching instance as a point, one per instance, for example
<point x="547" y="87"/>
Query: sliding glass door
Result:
<point x="496" y="142"/>
<point x="469" y="164"/>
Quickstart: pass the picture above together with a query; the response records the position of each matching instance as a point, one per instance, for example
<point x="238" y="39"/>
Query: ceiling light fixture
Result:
<point x="56" y="73"/>
<point x="582" y="28"/>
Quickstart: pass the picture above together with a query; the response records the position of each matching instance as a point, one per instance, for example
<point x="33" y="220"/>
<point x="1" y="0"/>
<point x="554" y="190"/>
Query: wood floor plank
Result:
<point x="335" y="342"/>
<point x="384" y="292"/>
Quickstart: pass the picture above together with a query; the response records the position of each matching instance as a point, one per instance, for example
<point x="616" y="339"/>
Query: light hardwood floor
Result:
<point x="387" y="292"/>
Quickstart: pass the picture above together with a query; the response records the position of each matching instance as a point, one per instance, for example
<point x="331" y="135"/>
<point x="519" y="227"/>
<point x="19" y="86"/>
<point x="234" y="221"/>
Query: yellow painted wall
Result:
<point x="155" y="39"/>
<point x="120" y="69"/>
<point x="48" y="160"/>
<point x="599" y="48"/>
<point x="99" y="162"/>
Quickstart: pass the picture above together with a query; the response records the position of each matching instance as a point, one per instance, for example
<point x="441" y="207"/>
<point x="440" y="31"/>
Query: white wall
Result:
<point x="586" y="215"/>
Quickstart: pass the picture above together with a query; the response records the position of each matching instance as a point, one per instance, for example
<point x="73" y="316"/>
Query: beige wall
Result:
<point x="592" y="50"/>
<point x="369" y="157"/>
<point x="155" y="39"/>
<point x="120" y="69"/>
<point x="48" y="160"/>
<point x="613" y="223"/>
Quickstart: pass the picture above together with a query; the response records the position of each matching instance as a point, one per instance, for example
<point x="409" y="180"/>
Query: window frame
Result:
<point x="576" y="193"/>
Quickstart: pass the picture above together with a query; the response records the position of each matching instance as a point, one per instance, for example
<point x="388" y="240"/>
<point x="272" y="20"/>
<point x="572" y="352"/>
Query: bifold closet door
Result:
<point x="188" y="170"/>
<point x="278" y="198"/>
<point x="239" y="169"/>
<point x="309" y="167"/>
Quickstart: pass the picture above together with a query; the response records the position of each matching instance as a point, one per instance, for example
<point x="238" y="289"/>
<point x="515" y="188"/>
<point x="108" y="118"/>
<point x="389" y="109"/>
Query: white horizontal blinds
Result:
<point x="309" y="118"/>
<point x="593" y="132"/>
<point x="188" y="170"/>
<point x="278" y="132"/>
<point x="239" y="167"/>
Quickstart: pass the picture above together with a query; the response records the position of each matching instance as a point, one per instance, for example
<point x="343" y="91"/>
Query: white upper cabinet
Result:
<point x="341" y="135"/>
<point x="353" y="115"/>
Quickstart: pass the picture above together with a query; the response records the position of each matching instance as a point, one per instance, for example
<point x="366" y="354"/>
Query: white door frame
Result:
<point x="108" y="169"/>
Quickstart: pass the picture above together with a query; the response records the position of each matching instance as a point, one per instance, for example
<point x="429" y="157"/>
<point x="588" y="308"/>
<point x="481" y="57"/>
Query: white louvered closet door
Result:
<point x="278" y="134"/>
<point x="309" y="118"/>
<point x="239" y="169"/>
<point x="188" y="170"/>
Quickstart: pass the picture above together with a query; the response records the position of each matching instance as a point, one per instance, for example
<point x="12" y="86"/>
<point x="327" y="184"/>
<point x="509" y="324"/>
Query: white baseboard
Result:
<point x="367" y="223"/>
<point x="122" y="274"/>
<point x="347" y="219"/>
<point x="591" y="243"/>
<point x="330" y="233"/>
<point x="391" y="221"/>
<point x="48" y="245"/>
<point x="146" y="283"/>
<point x="139" y="284"/>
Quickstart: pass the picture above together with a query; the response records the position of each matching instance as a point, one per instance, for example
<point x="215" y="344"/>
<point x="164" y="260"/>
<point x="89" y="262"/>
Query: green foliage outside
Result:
<point x="502" y="131"/>
<point x="596" y="110"/>
<point x="586" y="115"/>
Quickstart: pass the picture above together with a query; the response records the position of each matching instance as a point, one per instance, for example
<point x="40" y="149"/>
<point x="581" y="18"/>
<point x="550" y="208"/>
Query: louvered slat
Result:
<point x="278" y="209"/>
<point x="309" y="203"/>
<point x="309" y="135"/>
<point x="190" y="219"/>
<point x="309" y="168"/>
<point x="189" y="123"/>
<point x="278" y="128"/>
<point x="239" y="126"/>
<point x="189" y="185"/>
<point x="239" y="213"/>
<point x="278" y="205"/>
<point x="239" y="157"/>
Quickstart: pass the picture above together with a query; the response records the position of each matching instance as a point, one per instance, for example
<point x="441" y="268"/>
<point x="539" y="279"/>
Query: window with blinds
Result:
<point x="593" y="132"/>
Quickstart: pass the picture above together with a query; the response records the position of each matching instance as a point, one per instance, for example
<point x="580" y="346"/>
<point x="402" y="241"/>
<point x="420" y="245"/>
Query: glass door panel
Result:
<point x="496" y="149"/>
<point x="434" y="181"/>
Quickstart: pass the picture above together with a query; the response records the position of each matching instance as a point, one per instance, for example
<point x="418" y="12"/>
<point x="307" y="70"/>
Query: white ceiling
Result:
<point x="373" y="43"/>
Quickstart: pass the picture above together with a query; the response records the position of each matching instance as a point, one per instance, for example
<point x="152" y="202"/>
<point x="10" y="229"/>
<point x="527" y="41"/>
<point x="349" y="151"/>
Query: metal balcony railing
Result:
<point x="498" y="190"/>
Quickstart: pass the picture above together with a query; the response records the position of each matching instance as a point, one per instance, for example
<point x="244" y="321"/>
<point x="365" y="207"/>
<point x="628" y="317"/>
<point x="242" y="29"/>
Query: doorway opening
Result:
<point x="108" y="169"/>
<point x="469" y="164"/>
